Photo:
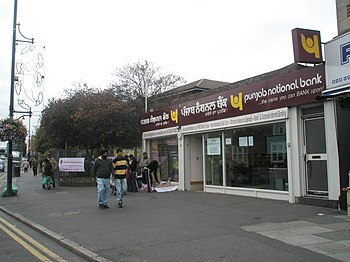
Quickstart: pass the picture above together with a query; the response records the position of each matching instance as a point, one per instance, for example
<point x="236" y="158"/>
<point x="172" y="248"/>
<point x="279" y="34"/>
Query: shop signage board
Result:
<point x="307" y="46"/>
<point x="254" y="118"/>
<point x="337" y="54"/>
<point x="299" y="87"/>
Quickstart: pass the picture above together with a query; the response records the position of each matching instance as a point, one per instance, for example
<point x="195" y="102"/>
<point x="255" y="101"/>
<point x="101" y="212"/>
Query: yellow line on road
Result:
<point x="24" y="244"/>
<point x="30" y="240"/>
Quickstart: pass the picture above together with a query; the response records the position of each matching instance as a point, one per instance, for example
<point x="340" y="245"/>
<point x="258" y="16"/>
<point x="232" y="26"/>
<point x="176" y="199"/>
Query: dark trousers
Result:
<point x="146" y="179"/>
<point x="53" y="180"/>
<point x="132" y="183"/>
<point x="35" y="171"/>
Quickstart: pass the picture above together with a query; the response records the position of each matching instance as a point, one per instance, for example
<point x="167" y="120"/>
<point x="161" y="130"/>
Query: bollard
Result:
<point x="347" y="189"/>
<point x="16" y="171"/>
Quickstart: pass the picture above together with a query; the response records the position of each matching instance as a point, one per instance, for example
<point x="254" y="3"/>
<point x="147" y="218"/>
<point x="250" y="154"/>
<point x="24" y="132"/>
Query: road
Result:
<point x="21" y="243"/>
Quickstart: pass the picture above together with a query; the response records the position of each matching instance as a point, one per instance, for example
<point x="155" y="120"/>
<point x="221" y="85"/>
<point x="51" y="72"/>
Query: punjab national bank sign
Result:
<point x="307" y="46"/>
<point x="300" y="87"/>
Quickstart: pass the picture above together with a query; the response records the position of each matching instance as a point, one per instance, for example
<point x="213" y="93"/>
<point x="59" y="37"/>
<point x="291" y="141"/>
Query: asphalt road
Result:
<point x="173" y="226"/>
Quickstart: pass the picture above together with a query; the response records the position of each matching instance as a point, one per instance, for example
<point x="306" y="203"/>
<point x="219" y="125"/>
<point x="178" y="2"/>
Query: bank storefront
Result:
<point x="263" y="139"/>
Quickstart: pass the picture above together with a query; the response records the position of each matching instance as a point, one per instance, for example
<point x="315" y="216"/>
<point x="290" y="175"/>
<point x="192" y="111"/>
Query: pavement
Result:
<point x="179" y="225"/>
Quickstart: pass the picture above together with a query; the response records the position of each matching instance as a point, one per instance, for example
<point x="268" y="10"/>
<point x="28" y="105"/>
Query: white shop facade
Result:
<point x="270" y="139"/>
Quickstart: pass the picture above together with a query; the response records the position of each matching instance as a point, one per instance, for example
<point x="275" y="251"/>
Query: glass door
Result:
<point x="315" y="156"/>
<point x="213" y="159"/>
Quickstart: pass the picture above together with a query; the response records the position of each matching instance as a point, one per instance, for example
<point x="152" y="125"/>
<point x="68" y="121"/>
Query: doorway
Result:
<point x="315" y="153"/>
<point x="193" y="163"/>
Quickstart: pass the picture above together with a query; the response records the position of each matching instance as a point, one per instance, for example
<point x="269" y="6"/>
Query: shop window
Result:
<point x="213" y="159"/>
<point x="165" y="151"/>
<point x="256" y="157"/>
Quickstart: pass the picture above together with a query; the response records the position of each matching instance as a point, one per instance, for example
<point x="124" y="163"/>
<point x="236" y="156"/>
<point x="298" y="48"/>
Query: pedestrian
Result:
<point x="54" y="167"/>
<point x="128" y="174"/>
<point x="133" y="175"/>
<point x="102" y="172"/>
<point x="47" y="174"/>
<point x="120" y="165"/>
<point x="35" y="164"/>
<point x="25" y="165"/>
<point x="143" y="162"/>
<point x="152" y="168"/>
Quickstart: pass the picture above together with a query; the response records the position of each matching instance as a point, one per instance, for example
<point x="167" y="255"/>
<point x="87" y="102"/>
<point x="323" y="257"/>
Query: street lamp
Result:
<point x="9" y="191"/>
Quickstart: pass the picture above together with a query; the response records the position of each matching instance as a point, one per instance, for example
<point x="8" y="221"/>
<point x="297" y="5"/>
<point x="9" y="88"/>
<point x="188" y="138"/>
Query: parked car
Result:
<point x="2" y="165"/>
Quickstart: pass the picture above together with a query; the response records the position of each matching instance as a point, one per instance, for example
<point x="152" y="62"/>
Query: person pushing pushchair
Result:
<point x="47" y="181"/>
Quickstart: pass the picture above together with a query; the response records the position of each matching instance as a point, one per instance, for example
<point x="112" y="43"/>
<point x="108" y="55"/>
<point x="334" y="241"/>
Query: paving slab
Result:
<point x="328" y="248"/>
<point x="175" y="226"/>
<point x="310" y="230"/>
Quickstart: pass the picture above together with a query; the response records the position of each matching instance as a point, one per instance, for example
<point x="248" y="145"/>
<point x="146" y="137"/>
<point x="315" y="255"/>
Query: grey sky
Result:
<point x="224" y="40"/>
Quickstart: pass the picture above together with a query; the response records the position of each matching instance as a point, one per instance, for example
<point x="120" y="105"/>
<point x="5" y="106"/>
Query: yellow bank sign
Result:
<point x="307" y="46"/>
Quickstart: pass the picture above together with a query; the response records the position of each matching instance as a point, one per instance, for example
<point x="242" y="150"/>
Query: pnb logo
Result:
<point x="311" y="45"/>
<point x="345" y="53"/>
<point x="307" y="46"/>
<point x="174" y="116"/>
<point x="237" y="101"/>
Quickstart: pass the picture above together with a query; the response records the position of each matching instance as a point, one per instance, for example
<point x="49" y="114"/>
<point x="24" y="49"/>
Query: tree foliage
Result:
<point x="93" y="118"/>
<point x="86" y="118"/>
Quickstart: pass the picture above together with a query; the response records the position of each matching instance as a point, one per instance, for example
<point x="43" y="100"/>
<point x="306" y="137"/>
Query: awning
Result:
<point x="334" y="92"/>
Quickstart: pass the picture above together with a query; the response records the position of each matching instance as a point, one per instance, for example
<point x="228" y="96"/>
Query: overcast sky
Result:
<point x="224" y="40"/>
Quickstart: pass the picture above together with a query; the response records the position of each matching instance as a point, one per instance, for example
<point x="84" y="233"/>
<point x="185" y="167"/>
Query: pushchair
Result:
<point x="47" y="182"/>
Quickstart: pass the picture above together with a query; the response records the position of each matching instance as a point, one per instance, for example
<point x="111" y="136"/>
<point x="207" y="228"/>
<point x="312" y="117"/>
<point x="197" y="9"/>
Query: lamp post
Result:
<point x="9" y="191"/>
<point x="10" y="156"/>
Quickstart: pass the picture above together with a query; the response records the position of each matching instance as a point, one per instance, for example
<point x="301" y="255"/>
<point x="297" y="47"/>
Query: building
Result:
<point x="337" y="68"/>
<point x="265" y="137"/>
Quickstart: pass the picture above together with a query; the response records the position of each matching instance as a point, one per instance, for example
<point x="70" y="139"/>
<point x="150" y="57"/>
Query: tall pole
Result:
<point x="10" y="156"/>
<point x="145" y="91"/>
<point x="29" y="146"/>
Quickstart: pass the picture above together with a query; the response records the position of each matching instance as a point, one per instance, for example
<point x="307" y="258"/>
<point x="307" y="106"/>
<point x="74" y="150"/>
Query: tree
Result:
<point x="85" y="118"/>
<point x="137" y="81"/>
<point x="40" y="140"/>
<point x="91" y="118"/>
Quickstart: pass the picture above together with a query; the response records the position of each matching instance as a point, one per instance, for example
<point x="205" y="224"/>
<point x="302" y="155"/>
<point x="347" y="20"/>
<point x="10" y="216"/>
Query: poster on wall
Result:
<point x="70" y="164"/>
<point x="250" y="141"/>
<point x="243" y="141"/>
<point x="213" y="146"/>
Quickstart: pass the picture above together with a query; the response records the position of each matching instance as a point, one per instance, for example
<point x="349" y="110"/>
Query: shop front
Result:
<point x="266" y="138"/>
<point x="337" y="92"/>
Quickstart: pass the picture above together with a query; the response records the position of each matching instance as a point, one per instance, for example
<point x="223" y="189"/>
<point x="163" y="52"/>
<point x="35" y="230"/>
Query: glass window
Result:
<point x="165" y="152"/>
<point x="256" y="157"/>
<point x="213" y="159"/>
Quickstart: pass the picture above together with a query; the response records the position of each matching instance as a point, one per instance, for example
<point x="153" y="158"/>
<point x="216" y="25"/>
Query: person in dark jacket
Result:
<point x="47" y="174"/>
<point x="54" y="167"/>
<point x="151" y="167"/>
<point x="35" y="164"/>
<point x="102" y="171"/>
<point x="132" y="186"/>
